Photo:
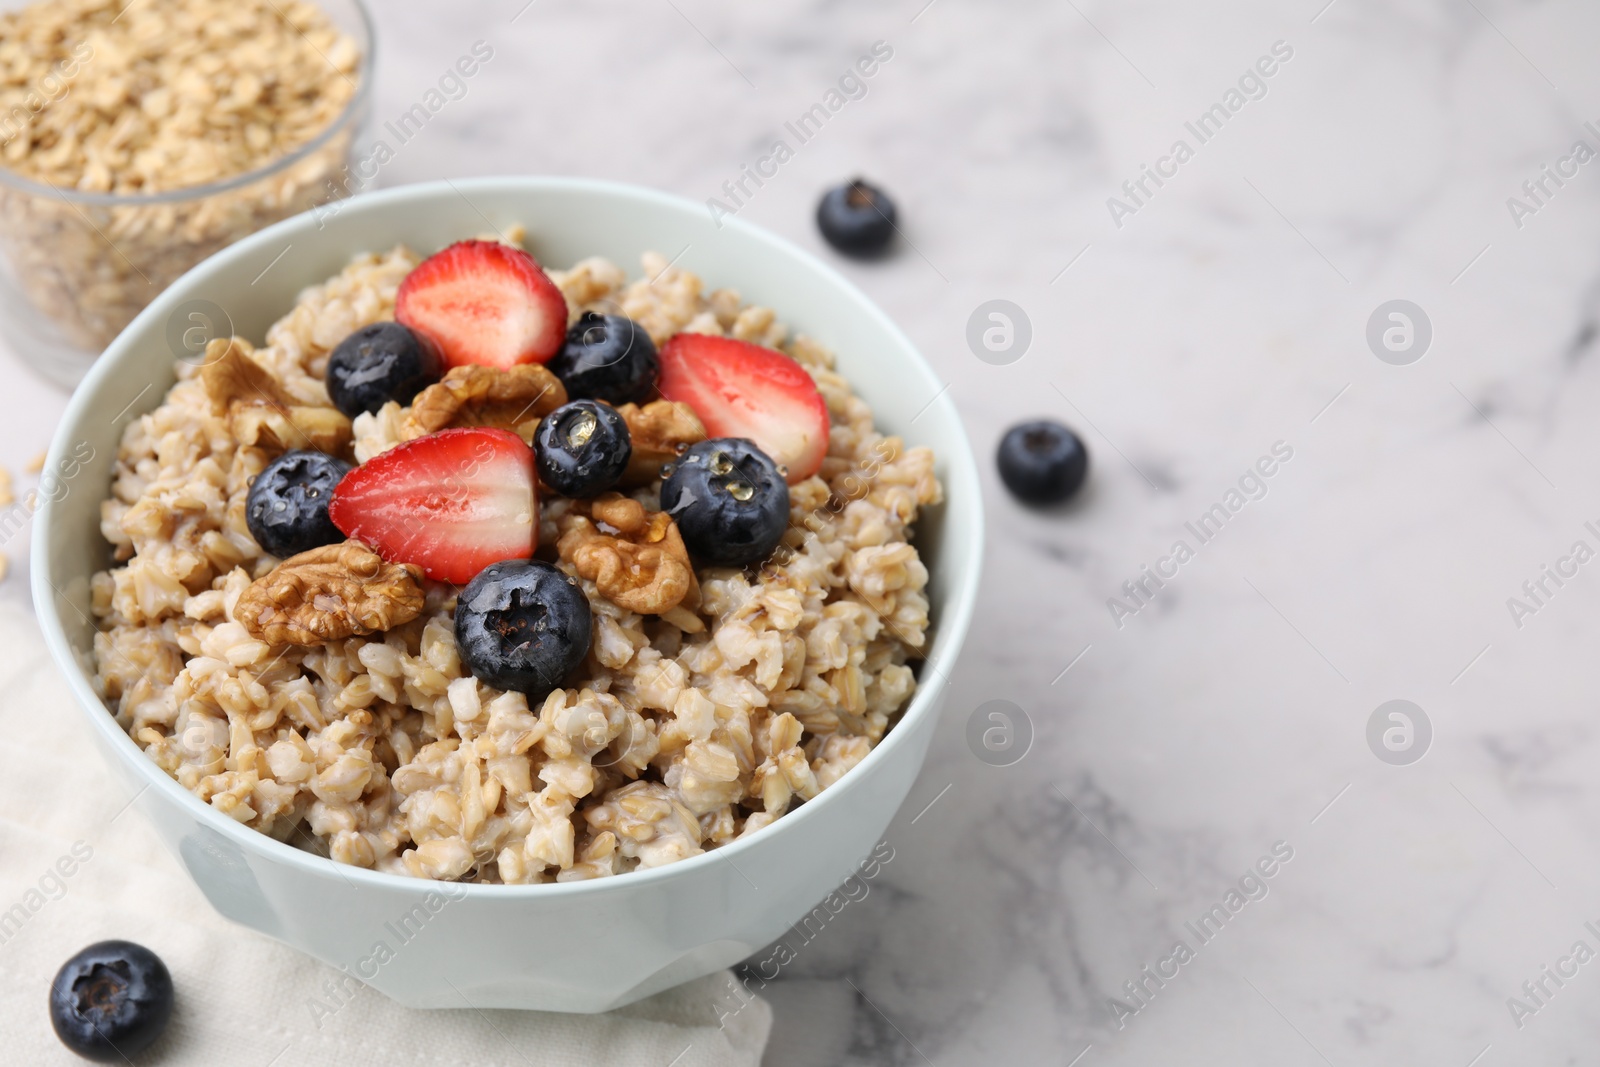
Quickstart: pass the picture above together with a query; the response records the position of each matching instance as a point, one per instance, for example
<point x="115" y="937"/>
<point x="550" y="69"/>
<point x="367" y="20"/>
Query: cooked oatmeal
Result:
<point x="688" y="729"/>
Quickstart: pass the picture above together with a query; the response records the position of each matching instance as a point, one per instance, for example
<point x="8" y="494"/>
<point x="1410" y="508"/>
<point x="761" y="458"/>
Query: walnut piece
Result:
<point x="514" y="399"/>
<point x="260" y="413"/>
<point x="328" y="594"/>
<point x="660" y="432"/>
<point x="644" y="567"/>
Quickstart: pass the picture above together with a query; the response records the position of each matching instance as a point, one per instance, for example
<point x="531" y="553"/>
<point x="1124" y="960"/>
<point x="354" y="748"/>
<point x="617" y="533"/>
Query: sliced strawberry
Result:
<point x="484" y="302"/>
<point x="743" y="390"/>
<point x="452" y="502"/>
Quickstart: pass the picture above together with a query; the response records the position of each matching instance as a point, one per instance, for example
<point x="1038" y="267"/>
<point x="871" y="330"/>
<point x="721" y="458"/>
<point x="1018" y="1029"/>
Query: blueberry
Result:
<point x="857" y="218"/>
<point x="287" y="507"/>
<point x="379" y="363"/>
<point x="582" y="448"/>
<point x="522" y="625"/>
<point x="1042" y="462"/>
<point x="608" y="357"/>
<point x="111" y="1001"/>
<point x="729" y="500"/>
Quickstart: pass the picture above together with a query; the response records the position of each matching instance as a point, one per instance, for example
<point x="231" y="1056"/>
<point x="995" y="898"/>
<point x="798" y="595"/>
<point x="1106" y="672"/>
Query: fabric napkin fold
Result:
<point x="77" y="865"/>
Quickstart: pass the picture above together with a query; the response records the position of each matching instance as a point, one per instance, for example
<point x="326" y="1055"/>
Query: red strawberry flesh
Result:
<point x="739" y="389"/>
<point x="452" y="502"/>
<point x="486" y="303"/>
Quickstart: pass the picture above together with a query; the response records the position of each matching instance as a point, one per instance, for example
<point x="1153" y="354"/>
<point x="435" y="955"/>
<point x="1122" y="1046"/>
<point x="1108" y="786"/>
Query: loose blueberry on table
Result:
<point x="522" y="625"/>
<point x="111" y="1001"/>
<point x="1042" y="462"/>
<point x="856" y="218"/>
<point x="379" y="363"/>
<point x="730" y="502"/>
<point x="287" y="506"/>
<point x="607" y="357"/>
<point x="582" y="448"/>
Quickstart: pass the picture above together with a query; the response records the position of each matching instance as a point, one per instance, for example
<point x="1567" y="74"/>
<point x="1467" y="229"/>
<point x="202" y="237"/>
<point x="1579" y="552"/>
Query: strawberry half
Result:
<point x="743" y="390"/>
<point x="452" y="502"/>
<point x="484" y="302"/>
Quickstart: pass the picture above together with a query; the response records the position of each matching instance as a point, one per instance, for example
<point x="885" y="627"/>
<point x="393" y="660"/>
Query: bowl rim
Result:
<point x="956" y="615"/>
<point x="346" y="118"/>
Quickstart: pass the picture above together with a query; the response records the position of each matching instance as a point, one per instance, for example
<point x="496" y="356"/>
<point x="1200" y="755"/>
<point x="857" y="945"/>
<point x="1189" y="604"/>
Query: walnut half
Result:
<point x="644" y="567"/>
<point x="513" y="399"/>
<point x="328" y="594"/>
<point x="660" y="432"/>
<point x="259" y="411"/>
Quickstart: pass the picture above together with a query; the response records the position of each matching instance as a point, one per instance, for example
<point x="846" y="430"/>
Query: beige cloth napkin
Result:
<point x="244" y="1000"/>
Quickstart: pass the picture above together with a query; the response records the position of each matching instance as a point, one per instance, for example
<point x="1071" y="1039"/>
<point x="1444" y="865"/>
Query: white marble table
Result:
<point x="1227" y="313"/>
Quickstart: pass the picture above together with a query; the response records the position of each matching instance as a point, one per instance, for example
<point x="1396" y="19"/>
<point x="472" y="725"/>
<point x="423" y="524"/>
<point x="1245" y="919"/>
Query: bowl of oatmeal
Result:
<point x="292" y="580"/>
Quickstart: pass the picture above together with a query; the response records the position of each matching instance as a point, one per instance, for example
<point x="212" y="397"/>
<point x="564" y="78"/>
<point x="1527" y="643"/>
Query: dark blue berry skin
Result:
<point x="857" y="219"/>
<point x="522" y="625"/>
<point x="608" y="357"/>
<point x="729" y="500"/>
<point x="287" y="507"/>
<point x="1042" y="462"/>
<point x="582" y="448"/>
<point x="111" y="1001"/>
<point x="378" y="363"/>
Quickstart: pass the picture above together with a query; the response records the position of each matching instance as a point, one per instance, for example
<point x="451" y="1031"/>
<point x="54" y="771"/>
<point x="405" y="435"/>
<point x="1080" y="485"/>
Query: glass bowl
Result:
<point x="77" y="266"/>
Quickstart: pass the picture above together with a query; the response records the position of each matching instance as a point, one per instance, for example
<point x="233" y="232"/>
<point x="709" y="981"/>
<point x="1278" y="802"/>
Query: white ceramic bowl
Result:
<point x="581" y="946"/>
